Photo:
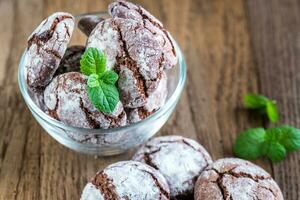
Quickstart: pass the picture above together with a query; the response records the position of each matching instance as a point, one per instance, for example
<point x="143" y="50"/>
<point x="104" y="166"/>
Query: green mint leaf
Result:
<point x="290" y="137"/>
<point x="109" y="77"/>
<point x="105" y="97"/>
<point x="274" y="150"/>
<point x="248" y="144"/>
<point x="93" y="61"/>
<point x="255" y="101"/>
<point x="272" y="111"/>
<point x="93" y="81"/>
<point x="263" y="105"/>
<point x="273" y="134"/>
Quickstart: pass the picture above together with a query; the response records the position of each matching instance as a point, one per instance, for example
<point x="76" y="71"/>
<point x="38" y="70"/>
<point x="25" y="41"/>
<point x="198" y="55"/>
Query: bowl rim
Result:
<point x="161" y="111"/>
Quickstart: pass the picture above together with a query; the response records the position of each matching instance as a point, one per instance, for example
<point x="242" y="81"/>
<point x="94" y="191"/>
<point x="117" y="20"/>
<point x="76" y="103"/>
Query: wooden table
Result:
<point x="231" y="46"/>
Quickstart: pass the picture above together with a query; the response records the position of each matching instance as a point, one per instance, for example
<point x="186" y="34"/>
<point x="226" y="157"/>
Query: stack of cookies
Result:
<point x="137" y="47"/>
<point x="178" y="168"/>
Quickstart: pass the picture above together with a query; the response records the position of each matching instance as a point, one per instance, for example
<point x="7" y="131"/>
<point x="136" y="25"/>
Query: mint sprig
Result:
<point x="263" y="105"/>
<point x="101" y="87"/>
<point x="273" y="143"/>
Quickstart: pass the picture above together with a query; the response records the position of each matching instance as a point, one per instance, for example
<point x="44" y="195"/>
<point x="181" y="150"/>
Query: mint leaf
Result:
<point x="105" y="97"/>
<point x="273" y="134"/>
<point x="255" y="101"/>
<point x="290" y="137"/>
<point x="263" y="105"/>
<point x="101" y="89"/>
<point x="248" y="144"/>
<point x="93" y="61"/>
<point x="93" y="81"/>
<point x="274" y="150"/>
<point x="109" y="77"/>
<point x="272" y="111"/>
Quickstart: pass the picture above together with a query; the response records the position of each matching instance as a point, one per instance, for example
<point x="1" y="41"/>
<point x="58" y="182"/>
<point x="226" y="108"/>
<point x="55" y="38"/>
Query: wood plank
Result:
<point x="275" y="28"/>
<point x="19" y="138"/>
<point x="6" y="35"/>
<point x="229" y="52"/>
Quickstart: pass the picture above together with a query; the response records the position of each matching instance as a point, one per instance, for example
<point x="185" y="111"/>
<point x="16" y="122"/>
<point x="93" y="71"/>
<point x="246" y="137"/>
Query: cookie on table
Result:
<point x="127" y="180"/>
<point x="180" y="160"/>
<point x="71" y="60"/>
<point x="87" y="23"/>
<point x="67" y="100"/>
<point x="46" y="47"/>
<point x="236" y="179"/>
<point x="128" y="10"/>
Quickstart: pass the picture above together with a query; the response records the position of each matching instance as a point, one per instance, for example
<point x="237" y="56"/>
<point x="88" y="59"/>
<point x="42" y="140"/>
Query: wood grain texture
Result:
<point x="231" y="46"/>
<point x="276" y="50"/>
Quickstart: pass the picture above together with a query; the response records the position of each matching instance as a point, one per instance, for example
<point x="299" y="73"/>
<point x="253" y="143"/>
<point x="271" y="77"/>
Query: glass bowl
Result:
<point x="105" y="142"/>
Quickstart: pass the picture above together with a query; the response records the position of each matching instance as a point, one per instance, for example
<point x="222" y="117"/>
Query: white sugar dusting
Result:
<point x="131" y="180"/>
<point x="158" y="97"/>
<point x="90" y="192"/>
<point x="105" y="37"/>
<point x="238" y="180"/>
<point x="179" y="159"/>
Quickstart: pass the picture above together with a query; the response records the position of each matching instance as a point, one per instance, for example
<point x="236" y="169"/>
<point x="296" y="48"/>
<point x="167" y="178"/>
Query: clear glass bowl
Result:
<point x="112" y="141"/>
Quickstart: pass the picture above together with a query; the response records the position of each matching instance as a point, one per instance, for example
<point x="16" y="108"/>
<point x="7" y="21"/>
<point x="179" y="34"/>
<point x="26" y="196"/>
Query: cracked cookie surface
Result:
<point x="236" y="179"/>
<point x="127" y="180"/>
<point x="67" y="100"/>
<point x="46" y="47"/>
<point x="179" y="159"/>
<point x="135" y="53"/>
<point x="155" y="100"/>
<point x="128" y="10"/>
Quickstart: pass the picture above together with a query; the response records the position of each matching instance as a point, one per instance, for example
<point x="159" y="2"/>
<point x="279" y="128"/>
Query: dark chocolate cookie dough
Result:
<point x="87" y="23"/>
<point x="236" y="179"/>
<point x="179" y="159"/>
<point x="71" y="60"/>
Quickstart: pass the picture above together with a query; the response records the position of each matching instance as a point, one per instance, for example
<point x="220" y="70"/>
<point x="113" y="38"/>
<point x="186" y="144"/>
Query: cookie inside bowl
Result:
<point x="149" y="87"/>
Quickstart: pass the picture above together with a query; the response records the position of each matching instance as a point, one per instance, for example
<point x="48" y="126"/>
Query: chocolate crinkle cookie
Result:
<point x="135" y="53"/>
<point x="67" y="100"/>
<point x="180" y="160"/>
<point x="71" y="60"/>
<point x="46" y="47"/>
<point x="127" y="180"/>
<point x="236" y="179"/>
<point x="127" y="10"/>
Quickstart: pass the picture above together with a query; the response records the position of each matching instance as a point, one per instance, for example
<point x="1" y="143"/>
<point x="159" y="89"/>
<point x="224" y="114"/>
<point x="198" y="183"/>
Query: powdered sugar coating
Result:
<point x="67" y="100"/>
<point x="46" y="46"/>
<point x="179" y="159"/>
<point x="155" y="100"/>
<point x="236" y="179"/>
<point x="127" y="180"/>
<point x="105" y="36"/>
<point x="157" y="97"/>
<point x="90" y="192"/>
<point x="128" y="10"/>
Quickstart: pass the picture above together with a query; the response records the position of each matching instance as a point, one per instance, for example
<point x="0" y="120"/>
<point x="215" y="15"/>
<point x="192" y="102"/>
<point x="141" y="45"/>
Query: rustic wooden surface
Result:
<point x="231" y="46"/>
